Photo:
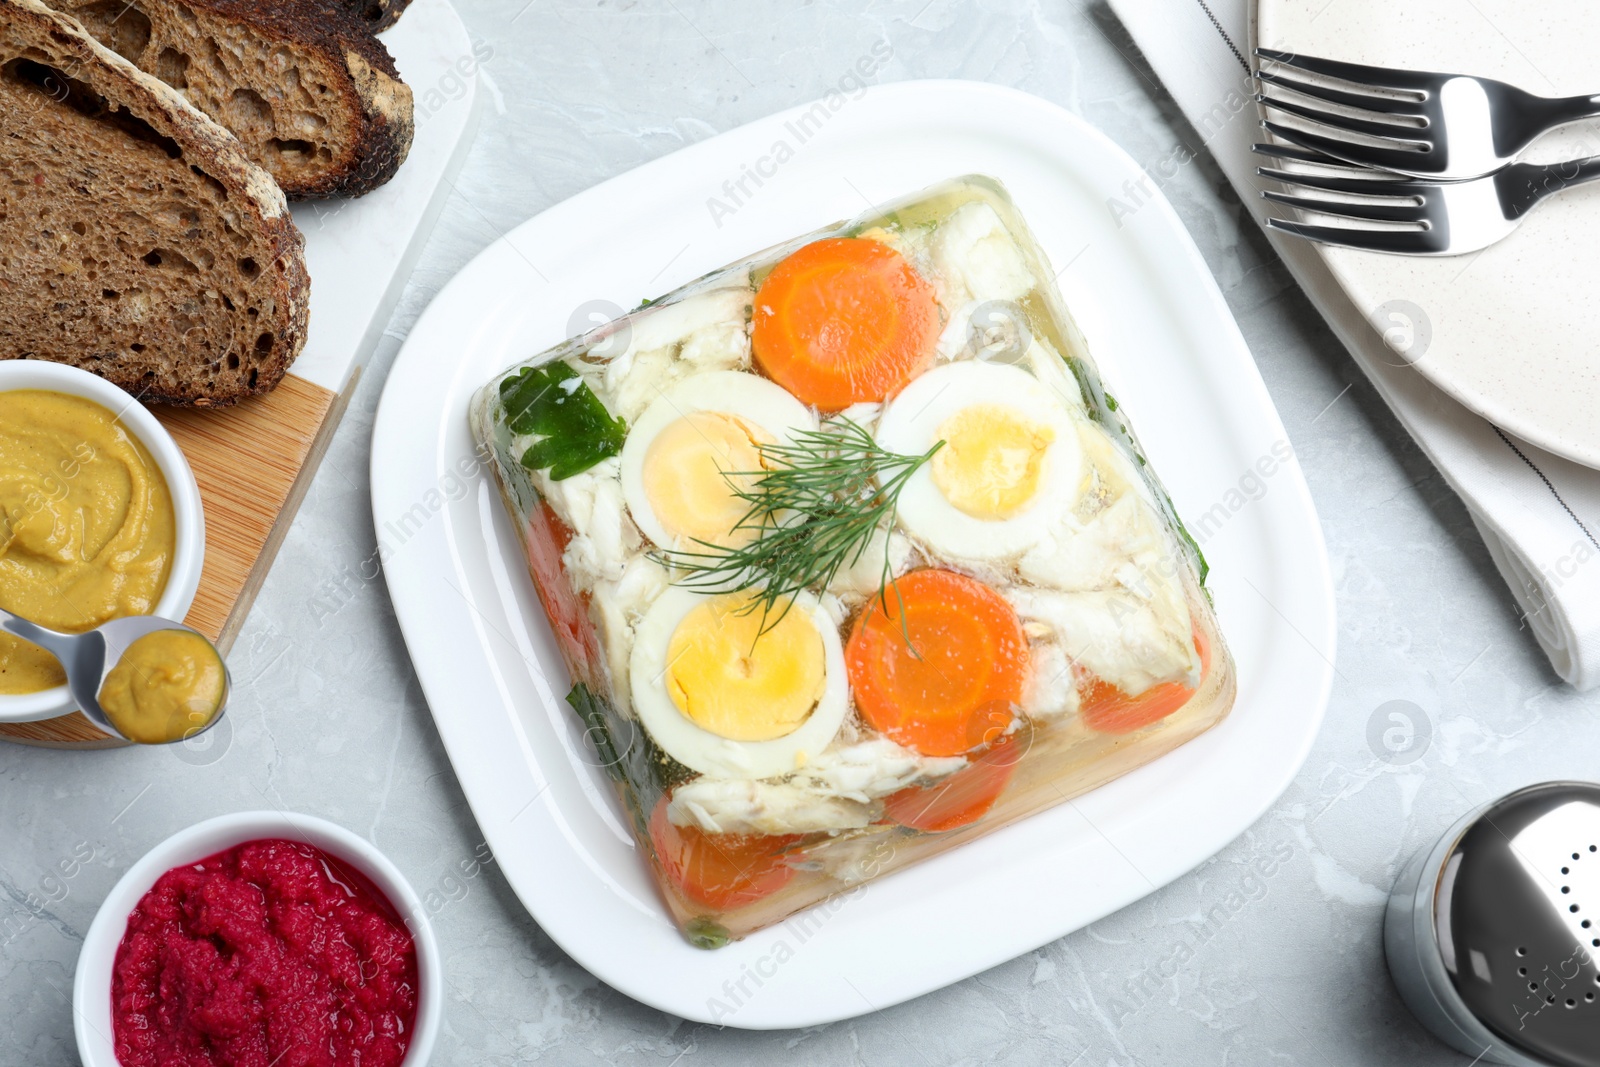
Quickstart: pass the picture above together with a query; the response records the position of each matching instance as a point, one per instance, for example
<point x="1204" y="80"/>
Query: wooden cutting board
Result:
<point x="255" y="461"/>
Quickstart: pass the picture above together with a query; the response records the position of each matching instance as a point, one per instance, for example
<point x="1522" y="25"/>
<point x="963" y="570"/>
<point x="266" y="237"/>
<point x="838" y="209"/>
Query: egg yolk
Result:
<point x="730" y="679"/>
<point x="685" y="475"/>
<point x="992" y="460"/>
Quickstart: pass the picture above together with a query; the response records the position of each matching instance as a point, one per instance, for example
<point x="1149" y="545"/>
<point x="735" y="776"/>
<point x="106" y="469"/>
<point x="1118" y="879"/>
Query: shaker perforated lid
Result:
<point x="1518" y="918"/>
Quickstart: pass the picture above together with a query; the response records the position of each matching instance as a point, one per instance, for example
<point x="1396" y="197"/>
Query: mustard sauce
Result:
<point x="87" y="527"/>
<point x="167" y="685"/>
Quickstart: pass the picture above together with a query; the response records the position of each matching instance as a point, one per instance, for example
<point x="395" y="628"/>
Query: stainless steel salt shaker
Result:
<point x="1493" y="934"/>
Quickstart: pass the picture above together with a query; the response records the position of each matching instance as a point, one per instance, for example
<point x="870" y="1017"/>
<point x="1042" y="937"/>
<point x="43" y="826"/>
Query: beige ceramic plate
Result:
<point x="1513" y="332"/>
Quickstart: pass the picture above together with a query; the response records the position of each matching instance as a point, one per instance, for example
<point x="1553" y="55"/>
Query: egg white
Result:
<point x="910" y="426"/>
<point x="756" y="400"/>
<point x="700" y="749"/>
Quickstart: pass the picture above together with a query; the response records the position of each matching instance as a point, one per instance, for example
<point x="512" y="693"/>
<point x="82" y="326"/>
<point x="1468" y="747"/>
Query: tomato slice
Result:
<point x="721" y="871"/>
<point x="961" y="799"/>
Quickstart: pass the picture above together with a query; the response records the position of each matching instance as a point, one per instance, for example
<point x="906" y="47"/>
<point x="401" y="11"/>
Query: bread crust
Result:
<point x="68" y="47"/>
<point x="366" y="82"/>
<point x="378" y="15"/>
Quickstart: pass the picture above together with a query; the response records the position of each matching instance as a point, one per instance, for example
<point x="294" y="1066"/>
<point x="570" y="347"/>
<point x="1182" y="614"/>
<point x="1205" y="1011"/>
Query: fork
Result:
<point x="1443" y="127"/>
<point x="1420" y="218"/>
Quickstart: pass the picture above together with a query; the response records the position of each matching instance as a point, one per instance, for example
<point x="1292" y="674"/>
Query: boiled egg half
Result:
<point x="687" y="452"/>
<point x="725" y="699"/>
<point x="1010" y="464"/>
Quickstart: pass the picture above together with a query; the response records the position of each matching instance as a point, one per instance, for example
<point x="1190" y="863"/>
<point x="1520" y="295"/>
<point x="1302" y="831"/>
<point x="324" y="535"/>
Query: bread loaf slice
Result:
<point x="379" y="15"/>
<point x="314" y="96"/>
<point x="137" y="240"/>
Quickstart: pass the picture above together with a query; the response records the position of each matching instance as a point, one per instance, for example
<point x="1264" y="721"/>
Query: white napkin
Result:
<point x="1538" y="513"/>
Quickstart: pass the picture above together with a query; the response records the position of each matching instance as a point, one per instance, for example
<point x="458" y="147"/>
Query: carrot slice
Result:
<point x="953" y="687"/>
<point x="843" y="320"/>
<point x="721" y="871"/>
<point x="961" y="799"/>
<point x="1112" y="711"/>
<point x="544" y="542"/>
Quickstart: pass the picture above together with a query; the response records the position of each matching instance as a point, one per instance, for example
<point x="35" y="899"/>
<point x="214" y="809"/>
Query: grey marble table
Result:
<point x="1228" y="965"/>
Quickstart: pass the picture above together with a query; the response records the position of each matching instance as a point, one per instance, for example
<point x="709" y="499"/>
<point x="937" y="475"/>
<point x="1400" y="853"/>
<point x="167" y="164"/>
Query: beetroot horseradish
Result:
<point x="271" y="954"/>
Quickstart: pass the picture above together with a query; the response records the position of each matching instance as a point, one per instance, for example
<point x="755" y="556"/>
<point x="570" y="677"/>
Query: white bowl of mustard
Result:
<point x="100" y="517"/>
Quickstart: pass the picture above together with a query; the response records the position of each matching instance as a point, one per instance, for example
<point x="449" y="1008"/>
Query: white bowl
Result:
<point x="91" y="986"/>
<point x="190" y="549"/>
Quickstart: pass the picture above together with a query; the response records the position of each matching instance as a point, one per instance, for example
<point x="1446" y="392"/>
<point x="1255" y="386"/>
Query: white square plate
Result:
<point x="1166" y="346"/>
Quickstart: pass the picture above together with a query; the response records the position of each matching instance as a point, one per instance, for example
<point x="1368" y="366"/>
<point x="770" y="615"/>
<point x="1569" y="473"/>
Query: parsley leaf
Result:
<point x="575" y="428"/>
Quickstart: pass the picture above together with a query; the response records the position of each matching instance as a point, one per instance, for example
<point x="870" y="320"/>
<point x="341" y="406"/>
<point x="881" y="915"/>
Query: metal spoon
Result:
<point x="88" y="658"/>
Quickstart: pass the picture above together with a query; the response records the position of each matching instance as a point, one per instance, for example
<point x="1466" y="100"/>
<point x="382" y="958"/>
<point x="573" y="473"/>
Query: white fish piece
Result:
<point x="722" y="347"/>
<point x="616" y="607"/>
<point x="1123" y="639"/>
<point x="669" y="324"/>
<point x="867" y="770"/>
<point x="743" y="806"/>
<point x="652" y="373"/>
<point x="956" y="336"/>
<point x="1052" y="690"/>
<point x="572" y="499"/>
<point x="707" y="331"/>
<point x="1121" y="565"/>
<point x="603" y="536"/>
<point x="835" y="791"/>
<point x="977" y="257"/>
<point x="1124" y="544"/>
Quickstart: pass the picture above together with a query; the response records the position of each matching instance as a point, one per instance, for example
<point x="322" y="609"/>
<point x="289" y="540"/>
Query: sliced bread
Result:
<point x="314" y="96"/>
<point x="137" y="240"/>
<point x="379" y="15"/>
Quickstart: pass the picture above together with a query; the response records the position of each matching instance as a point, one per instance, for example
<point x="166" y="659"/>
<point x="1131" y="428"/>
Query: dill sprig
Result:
<point x="815" y="506"/>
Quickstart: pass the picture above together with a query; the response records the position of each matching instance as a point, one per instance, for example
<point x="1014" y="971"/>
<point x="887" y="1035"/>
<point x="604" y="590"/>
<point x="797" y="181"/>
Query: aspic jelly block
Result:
<point x="851" y="558"/>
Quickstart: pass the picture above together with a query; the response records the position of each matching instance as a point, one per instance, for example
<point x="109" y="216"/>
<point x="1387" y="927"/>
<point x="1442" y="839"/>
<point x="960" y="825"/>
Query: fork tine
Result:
<point x="1334" y="183"/>
<point x="1386" y="77"/>
<point x="1365" y="212"/>
<point x="1403" y="242"/>
<point x="1305" y="155"/>
<point x="1388" y="131"/>
<point x="1386" y="104"/>
<point x="1384" y="158"/>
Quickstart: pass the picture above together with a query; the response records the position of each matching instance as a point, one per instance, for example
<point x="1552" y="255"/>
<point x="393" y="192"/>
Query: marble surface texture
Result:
<point x="1228" y="965"/>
